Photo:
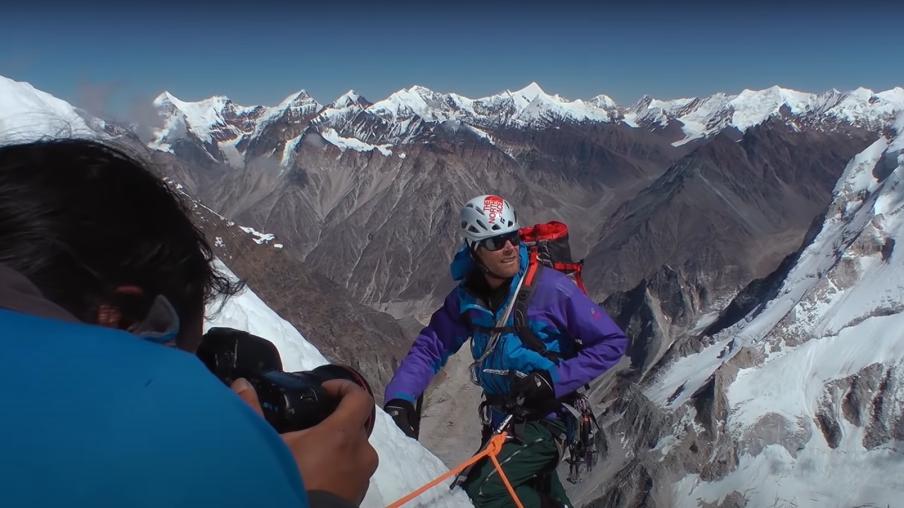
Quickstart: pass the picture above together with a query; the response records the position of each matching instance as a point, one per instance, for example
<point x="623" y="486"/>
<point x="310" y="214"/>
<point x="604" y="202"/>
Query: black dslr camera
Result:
<point x="290" y="400"/>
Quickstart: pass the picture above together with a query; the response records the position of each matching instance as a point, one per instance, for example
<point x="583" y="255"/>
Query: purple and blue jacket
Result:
<point x="567" y="321"/>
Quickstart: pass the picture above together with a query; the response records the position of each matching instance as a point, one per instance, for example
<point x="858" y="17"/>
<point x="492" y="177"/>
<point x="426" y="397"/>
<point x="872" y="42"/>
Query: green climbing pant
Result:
<point x="529" y="462"/>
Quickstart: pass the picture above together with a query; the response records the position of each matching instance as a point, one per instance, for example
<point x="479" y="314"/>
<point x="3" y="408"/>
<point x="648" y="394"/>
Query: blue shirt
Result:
<point x="98" y="417"/>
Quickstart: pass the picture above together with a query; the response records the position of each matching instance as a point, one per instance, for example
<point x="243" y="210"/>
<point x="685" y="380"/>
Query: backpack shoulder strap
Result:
<point x="522" y="328"/>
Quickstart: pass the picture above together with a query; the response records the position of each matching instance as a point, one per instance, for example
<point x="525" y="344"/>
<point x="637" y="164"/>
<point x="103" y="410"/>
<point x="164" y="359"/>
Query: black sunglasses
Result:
<point x="498" y="242"/>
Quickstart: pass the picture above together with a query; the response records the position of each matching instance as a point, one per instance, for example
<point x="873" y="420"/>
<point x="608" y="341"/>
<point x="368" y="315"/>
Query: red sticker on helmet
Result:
<point x="492" y="206"/>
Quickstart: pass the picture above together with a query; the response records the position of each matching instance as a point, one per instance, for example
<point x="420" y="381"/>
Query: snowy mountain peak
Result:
<point x="530" y="106"/>
<point x="216" y="103"/>
<point x="348" y="99"/>
<point x="776" y="93"/>
<point x="421" y="90"/>
<point x="706" y="116"/>
<point x="218" y="119"/>
<point x="299" y="97"/>
<point x="342" y="110"/>
<point x="604" y="102"/>
<point x="407" y="112"/>
<point x="781" y="90"/>
<point x="206" y="119"/>
<point x="530" y="91"/>
<point x="296" y="105"/>
<point x="417" y="101"/>
<point x="164" y="98"/>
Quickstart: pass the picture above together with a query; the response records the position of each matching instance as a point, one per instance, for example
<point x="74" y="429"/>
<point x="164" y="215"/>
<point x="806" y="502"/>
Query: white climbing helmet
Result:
<point x="485" y="217"/>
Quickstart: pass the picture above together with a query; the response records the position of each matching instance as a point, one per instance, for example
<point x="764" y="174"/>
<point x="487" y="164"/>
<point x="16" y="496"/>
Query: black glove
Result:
<point x="535" y="392"/>
<point x="404" y="415"/>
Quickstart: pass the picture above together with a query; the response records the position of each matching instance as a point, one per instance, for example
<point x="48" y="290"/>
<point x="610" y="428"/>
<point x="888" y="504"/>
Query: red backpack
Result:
<point x="548" y="247"/>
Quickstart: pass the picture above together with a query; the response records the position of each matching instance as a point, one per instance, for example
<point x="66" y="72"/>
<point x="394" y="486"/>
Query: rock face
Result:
<point x="342" y="329"/>
<point x="726" y="213"/>
<point x="867" y="399"/>
<point x="796" y="388"/>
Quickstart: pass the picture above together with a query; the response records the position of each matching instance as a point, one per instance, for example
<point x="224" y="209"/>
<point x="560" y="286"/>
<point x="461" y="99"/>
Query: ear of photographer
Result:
<point x="101" y="273"/>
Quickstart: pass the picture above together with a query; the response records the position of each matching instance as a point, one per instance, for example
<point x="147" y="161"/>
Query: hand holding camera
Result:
<point x="288" y="400"/>
<point x="333" y="456"/>
<point x="324" y="416"/>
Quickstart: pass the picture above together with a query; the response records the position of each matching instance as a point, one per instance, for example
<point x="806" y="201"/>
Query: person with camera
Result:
<point x="100" y="270"/>
<point x="564" y="341"/>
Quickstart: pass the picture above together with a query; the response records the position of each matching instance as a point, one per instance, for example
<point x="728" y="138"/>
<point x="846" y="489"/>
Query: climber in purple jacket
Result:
<point x="573" y="342"/>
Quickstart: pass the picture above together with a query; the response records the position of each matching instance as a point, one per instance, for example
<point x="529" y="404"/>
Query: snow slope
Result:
<point x="357" y="145"/>
<point x="27" y="113"/>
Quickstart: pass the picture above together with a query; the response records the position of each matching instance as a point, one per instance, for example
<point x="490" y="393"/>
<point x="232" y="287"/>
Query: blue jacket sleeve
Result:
<point x="101" y="418"/>
<point x="603" y="342"/>
<point x="441" y="338"/>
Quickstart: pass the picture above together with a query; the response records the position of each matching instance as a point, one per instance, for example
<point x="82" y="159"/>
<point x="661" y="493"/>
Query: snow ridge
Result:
<point x="409" y="114"/>
<point x="702" y="117"/>
<point x="29" y="114"/>
<point x="838" y="315"/>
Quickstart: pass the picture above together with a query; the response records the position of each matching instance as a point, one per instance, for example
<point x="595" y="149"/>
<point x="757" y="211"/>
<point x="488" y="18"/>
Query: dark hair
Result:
<point x="80" y="218"/>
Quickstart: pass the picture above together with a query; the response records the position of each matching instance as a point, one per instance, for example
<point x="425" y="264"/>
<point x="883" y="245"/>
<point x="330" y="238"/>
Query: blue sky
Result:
<point x="111" y="57"/>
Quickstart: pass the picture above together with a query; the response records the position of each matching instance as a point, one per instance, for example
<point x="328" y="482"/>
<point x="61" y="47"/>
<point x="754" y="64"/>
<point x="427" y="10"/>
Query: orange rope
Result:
<point x="505" y="481"/>
<point x="492" y="450"/>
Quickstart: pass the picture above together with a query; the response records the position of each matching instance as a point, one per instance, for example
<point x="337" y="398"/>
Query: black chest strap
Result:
<point x="519" y="312"/>
<point x="522" y="327"/>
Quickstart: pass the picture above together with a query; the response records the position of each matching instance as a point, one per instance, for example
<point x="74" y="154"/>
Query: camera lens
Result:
<point x="289" y="400"/>
<point x="334" y="371"/>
